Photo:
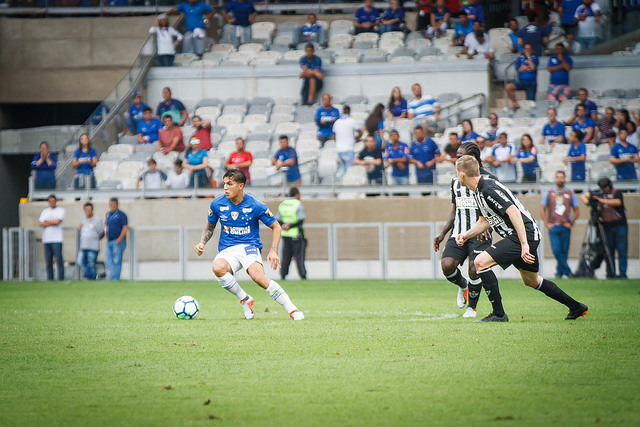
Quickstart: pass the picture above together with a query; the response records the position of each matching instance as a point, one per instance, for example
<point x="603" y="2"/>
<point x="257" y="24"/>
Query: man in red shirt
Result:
<point x="240" y="159"/>
<point x="202" y="131"/>
<point x="170" y="137"/>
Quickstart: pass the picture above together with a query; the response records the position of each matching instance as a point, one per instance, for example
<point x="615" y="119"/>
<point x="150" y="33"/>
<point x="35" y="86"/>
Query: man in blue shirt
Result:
<point x="325" y="117"/>
<point x="559" y="66"/>
<point x="591" y="107"/>
<point x="115" y="228"/>
<point x="194" y="36"/>
<point x="474" y="11"/>
<point x="527" y="68"/>
<point x="286" y="159"/>
<point x="244" y="14"/>
<point x="576" y="156"/>
<point x="532" y="34"/>
<point x="44" y="165"/>
<point x="424" y="154"/>
<point x="240" y="247"/>
<point x="393" y="18"/>
<point x="584" y="124"/>
<point x="311" y="75"/>
<point x="173" y="107"/>
<point x="567" y="10"/>
<point x="554" y="131"/>
<point x="462" y="28"/>
<point x="148" y="128"/>
<point x="134" y="115"/>
<point x="623" y="156"/>
<point x="366" y="18"/>
<point x="312" y="32"/>
<point x="397" y="155"/>
<point x="513" y="36"/>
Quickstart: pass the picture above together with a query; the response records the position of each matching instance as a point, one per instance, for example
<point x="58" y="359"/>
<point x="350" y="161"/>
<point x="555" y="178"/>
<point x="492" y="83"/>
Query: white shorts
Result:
<point x="240" y="256"/>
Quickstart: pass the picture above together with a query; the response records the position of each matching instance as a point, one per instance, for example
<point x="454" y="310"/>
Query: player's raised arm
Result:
<point x="207" y="233"/>
<point x="272" y="257"/>
<point x="478" y="228"/>
<point x="516" y="219"/>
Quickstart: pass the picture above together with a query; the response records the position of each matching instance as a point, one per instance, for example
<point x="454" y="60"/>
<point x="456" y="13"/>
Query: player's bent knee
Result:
<point x="448" y="265"/>
<point x="480" y="263"/>
<point x="221" y="267"/>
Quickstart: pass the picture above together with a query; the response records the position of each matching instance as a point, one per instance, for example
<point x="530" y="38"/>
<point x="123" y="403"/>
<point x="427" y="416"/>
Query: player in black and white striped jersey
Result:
<point x="503" y="212"/>
<point x="464" y="213"/>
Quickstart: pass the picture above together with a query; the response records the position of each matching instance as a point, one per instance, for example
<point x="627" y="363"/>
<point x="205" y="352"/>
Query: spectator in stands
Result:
<point x="577" y="156"/>
<point x="423" y="17"/>
<point x="366" y="18"/>
<point x="202" y="132"/>
<point x="614" y="221"/>
<point x="623" y="135"/>
<point x="527" y="155"/>
<point x="91" y="231"/>
<point x="134" y="114"/>
<point x="312" y="32"/>
<point x="325" y="117"/>
<point x="623" y="121"/>
<point x="397" y="155"/>
<point x="481" y="48"/>
<point x="424" y="109"/>
<point x="167" y="39"/>
<point x="440" y="16"/>
<point x="51" y="222"/>
<point x="244" y="14"/>
<point x="240" y="159"/>
<point x="468" y="133"/>
<point x="311" y="75"/>
<point x="559" y="210"/>
<point x="559" y="66"/>
<point x="527" y="67"/>
<point x="567" y="10"/>
<point x="451" y="149"/>
<point x="397" y="105"/>
<point x="490" y="136"/>
<point x="503" y="158"/>
<point x="462" y="28"/>
<point x="85" y="159"/>
<point x="513" y="36"/>
<point x="196" y="163"/>
<point x="172" y="106"/>
<point x="475" y="12"/>
<point x="44" y="164"/>
<point x="592" y="108"/>
<point x="605" y="133"/>
<point x="193" y="10"/>
<point x="149" y="127"/>
<point x="424" y="153"/>
<point x="571" y="45"/>
<point x="374" y="124"/>
<point x="286" y="159"/>
<point x="486" y="152"/>
<point x="470" y="39"/>
<point x="347" y="131"/>
<point x="584" y="124"/>
<point x="532" y="34"/>
<point x="177" y="178"/>
<point x="99" y="113"/>
<point x="115" y="228"/>
<point x="152" y="178"/>
<point x="371" y="158"/>
<point x="170" y="137"/>
<point x="393" y="18"/>
<point x="553" y="132"/>
<point x="623" y="156"/>
<point x="587" y="17"/>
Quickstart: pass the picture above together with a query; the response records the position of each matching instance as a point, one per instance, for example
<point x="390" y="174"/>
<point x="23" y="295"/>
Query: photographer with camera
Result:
<point x="607" y="208"/>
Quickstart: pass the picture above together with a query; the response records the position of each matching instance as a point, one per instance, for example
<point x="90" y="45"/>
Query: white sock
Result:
<point x="280" y="296"/>
<point x="229" y="282"/>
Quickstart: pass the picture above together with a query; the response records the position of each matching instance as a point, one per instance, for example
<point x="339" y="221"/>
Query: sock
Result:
<point x="552" y="290"/>
<point x="475" y="286"/>
<point x="490" y="284"/>
<point x="458" y="279"/>
<point x="229" y="282"/>
<point x="280" y="296"/>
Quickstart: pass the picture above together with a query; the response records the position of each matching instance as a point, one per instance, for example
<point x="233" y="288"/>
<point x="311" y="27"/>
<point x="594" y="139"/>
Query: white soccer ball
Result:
<point x="186" y="307"/>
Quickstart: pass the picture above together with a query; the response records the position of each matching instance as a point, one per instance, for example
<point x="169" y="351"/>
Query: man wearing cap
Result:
<point x="195" y="34"/>
<point x="51" y="222"/>
<point x="134" y="115"/>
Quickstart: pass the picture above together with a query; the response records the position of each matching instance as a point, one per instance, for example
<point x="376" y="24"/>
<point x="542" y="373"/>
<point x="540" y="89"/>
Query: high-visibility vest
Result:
<point x="288" y="211"/>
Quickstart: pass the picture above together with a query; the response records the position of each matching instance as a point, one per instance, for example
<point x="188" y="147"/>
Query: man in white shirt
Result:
<point x="347" y="132"/>
<point x="503" y="159"/>
<point x="51" y="222"/>
<point x="90" y="234"/>
<point x="152" y="177"/>
<point x="176" y="178"/>
<point x="481" y="48"/>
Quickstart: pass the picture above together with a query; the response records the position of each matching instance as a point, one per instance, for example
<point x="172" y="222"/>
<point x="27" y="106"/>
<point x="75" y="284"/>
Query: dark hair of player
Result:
<point x="471" y="148"/>
<point x="88" y="204"/>
<point x="236" y="175"/>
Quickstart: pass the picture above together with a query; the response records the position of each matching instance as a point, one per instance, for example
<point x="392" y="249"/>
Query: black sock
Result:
<point x="474" y="292"/>
<point x="458" y="279"/>
<point x="552" y="290"/>
<point x="490" y="284"/>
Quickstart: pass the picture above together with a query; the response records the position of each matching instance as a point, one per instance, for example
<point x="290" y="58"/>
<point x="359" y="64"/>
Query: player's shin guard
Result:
<point x="475" y="286"/>
<point x="490" y="284"/>
<point x="458" y="279"/>
<point x="552" y="290"/>
<point x="229" y="282"/>
<point x="280" y="296"/>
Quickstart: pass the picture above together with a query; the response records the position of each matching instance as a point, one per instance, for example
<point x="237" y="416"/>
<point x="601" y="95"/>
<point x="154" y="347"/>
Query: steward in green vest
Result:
<point x="291" y="215"/>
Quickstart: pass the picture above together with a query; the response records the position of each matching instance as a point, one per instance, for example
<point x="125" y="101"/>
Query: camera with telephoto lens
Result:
<point x="593" y="202"/>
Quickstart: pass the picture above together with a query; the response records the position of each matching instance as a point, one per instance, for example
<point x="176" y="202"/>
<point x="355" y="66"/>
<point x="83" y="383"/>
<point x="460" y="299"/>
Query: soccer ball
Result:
<point x="186" y="307"/>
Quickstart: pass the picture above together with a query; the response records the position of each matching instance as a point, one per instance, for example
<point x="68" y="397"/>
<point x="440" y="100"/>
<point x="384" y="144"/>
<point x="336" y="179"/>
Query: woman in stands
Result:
<point x="196" y="163"/>
<point x="202" y="132"/>
<point x="624" y="121"/>
<point x="167" y="39"/>
<point x="467" y="132"/>
<point x="528" y="156"/>
<point x="397" y="105"/>
<point x="375" y="124"/>
<point x="85" y="159"/>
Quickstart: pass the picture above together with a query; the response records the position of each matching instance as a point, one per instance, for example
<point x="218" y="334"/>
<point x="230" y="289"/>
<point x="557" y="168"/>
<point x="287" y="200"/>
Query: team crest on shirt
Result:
<point x="269" y="212"/>
<point x="234" y="215"/>
<point x="210" y="212"/>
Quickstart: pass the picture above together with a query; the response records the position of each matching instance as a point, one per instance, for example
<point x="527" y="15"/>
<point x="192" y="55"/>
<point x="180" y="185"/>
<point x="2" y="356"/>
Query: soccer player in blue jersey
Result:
<point x="239" y="245"/>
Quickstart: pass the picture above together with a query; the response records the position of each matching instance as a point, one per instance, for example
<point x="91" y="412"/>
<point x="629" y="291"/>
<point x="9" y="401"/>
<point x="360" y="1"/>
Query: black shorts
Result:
<point x="508" y="252"/>
<point x="471" y="248"/>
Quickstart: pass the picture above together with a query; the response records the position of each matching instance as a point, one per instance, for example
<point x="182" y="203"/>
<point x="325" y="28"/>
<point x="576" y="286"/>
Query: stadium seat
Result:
<point x="288" y="31"/>
<point x="223" y="47"/>
<point x="342" y="41"/>
<point x="251" y="47"/>
<point x="402" y="59"/>
<point x="347" y="59"/>
<point x="109" y="184"/>
<point x="391" y="45"/>
<point x="262" y="31"/>
<point x="255" y="119"/>
<point x="277" y="118"/>
<point x="340" y="27"/>
<point x="418" y="43"/>
<point x="228" y="119"/>
<point x="327" y="167"/>
<point x="234" y="110"/>
<point x="374" y="55"/>
<point x="183" y="59"/>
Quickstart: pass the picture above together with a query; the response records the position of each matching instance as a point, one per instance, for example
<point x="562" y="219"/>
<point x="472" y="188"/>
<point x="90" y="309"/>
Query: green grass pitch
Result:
<point x="369" y="353"/>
